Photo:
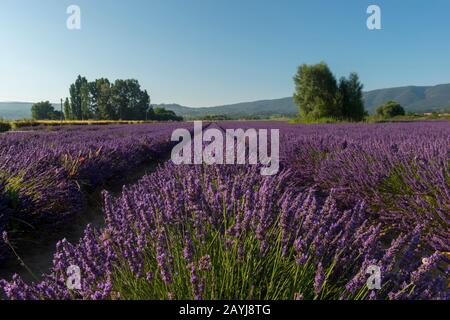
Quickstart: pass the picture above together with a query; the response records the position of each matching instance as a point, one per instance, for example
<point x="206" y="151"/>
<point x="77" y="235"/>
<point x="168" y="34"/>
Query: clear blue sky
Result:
<point x="212" y="52"/>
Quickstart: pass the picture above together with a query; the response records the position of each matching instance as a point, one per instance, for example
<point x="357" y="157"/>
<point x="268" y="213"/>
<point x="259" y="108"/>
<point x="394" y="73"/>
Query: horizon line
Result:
<point x="233" y="103"/>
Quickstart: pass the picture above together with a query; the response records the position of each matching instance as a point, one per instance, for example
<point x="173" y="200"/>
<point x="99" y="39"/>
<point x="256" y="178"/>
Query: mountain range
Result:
<point x="418" y="99"/>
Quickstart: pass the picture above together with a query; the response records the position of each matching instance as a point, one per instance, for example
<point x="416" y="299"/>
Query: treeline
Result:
<point x="319" y="95"/>
<point x="102" y="99"/>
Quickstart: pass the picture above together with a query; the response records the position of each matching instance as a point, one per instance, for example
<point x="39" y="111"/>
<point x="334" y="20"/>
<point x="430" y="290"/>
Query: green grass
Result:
<point x="237" y="271"/>
<point x="18" y="124"/>
<point x="406" y="118"/>
<point x="313" y="120"/>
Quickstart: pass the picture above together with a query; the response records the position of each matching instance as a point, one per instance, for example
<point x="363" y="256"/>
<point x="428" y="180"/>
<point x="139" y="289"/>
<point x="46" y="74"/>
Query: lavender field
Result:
<point x="347" y="196"/>
<point x="45" y="175"/>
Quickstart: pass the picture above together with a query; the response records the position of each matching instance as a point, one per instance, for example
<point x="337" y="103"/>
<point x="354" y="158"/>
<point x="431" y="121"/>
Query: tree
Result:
<point x="67" y="110"/>
<point x="390" y="109"/>
<point x="43" y="110"/>
<point x="350" y="98"/>
<point x="85" y="101"/>
<point x="76" y="97"/>
<point x="129" y="101"/>
<point x="316" y="91"/>
<point x="161" y="114"/>
<point x="101" y="107"/>
<point x="56" y="115"/>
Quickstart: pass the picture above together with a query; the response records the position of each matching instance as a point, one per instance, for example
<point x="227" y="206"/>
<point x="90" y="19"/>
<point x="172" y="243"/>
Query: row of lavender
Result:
<point x="401" y="170"/>
<point x="310" y="232"/>
<point x="42" y="174"/>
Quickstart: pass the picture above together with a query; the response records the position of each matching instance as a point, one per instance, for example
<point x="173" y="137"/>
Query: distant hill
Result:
<point x="263" y="108"/>
<point x="18" y="110"/>
<point x="413" y="98"/>
<point x="15" y="110"/>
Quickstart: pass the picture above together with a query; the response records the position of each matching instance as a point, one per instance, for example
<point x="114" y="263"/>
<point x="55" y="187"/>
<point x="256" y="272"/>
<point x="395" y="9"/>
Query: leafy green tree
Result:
<point x="101" y="107"/>
<point x="76" y="97"/>
<point x="350" y="98"/>
<point x="85" y="102"/>
<point x="43" y="110"/>
<point x="67" y="110"/>
<point x="150" y="114"/>
<point x="161" y="114"/>
<point x="390" y="109"/>
<point x="129" y="101"/>
<point x="316" y="91"/>
<point x="93" y="99"/>
<point x="56" y="115"/>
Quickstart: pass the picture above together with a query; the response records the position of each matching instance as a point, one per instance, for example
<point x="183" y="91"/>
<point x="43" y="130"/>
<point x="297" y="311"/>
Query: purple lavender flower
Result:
<point x="204" y="263"/>
<point x="319" y="279"/>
